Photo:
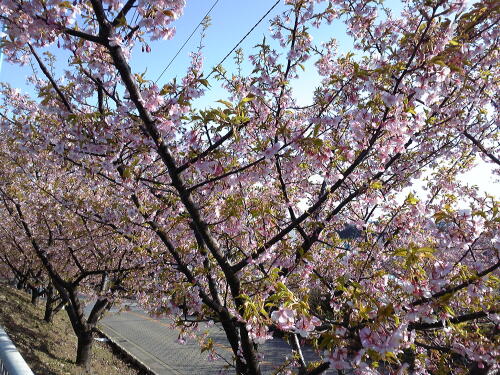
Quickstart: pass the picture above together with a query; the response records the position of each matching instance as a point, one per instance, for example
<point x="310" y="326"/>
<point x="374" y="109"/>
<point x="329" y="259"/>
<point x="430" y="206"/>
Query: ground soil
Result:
<point x="50" y="348"/>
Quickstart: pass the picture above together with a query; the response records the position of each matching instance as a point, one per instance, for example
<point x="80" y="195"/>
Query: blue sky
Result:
<point x="231" y="20"/>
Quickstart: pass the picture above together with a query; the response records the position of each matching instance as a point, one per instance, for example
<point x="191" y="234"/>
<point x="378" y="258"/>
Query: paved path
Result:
<point x="154" y="343"/>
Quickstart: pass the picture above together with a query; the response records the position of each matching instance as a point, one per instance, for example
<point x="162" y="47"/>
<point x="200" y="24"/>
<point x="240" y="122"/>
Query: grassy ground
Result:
<point x="50" y="349"/>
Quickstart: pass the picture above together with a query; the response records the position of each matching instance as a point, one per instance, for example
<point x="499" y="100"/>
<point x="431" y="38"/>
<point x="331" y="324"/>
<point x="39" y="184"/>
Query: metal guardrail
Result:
<point x="11" y="362"/>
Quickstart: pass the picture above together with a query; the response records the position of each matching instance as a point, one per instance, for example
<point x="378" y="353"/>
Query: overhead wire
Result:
<point x="245" y="36"/>
<point x="187" y="40"/>
<point x="4" y="27"/>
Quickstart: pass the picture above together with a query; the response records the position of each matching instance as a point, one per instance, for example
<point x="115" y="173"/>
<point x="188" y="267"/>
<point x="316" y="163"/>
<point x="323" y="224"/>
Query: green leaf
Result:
<point x="165" y="89"/>
<point x="226" y="103"/>
<point x="204" y="82"/>
<point x="66" y="4"/>
<point x="127" y="173"/>
<point x="449" y="310"/>
<point x="317" y="127"/>
<point x="122" y="21"/>
<point x="411" y="199"/>
<point x="425" y="252"/>
<point x="248" y="98"/>
<point x="401" y="252"/>
<point x="411" y="110"/>
<point x="440" y="216"/>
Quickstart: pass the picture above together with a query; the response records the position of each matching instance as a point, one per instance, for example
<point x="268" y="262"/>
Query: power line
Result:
<point x="4" y="27"/>
<point x="187" y="40"/>
<point x="231" y="51"/>
<point x="245" y="36"/>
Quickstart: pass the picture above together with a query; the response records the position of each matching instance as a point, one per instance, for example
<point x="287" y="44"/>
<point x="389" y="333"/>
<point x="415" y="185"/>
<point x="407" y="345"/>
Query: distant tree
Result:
<point x="44" y="220"/>
<point x="27" y="271"/>
<point x="244" y="201"/>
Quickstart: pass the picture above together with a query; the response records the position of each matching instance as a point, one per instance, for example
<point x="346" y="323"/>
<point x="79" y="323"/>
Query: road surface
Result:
<point x="154" y="343"/>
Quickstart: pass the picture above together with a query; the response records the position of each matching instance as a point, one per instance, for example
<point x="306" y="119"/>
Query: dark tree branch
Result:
<point x="481" y="147"/>
<point x="82" y="35"/>
<point x="459" y="319"/>
<point x="123" y="12"/>
<point x="47" y="74"/>
<point x="212" y="147"/>
<point x="455" y="289"/>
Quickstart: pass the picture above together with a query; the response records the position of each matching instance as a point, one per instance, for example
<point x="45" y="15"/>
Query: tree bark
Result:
<point x="84" y="349"/>
<point x="49" y="311"/>
<point x="49" y="304"/>
<point x="35" y="294"/>
<point x="234" y="339"/>
<point x="84" y="327"/>
<point x="476" y="370"/>
<point x="249" y="352"/>
<point x="34" y="297"/>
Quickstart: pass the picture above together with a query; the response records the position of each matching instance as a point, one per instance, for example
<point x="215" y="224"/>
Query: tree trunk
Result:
<point x="49" y="311"/>
<point x="35" y="294"/>
<point x="249" y="352"/>
<point x="84" y="350"/>
<point x="82" y="327"/>
<point x="49" y="304"/>
<point x="476" y="370"/>
<point x="34" y="298"/>
<point x="233" y="338"/>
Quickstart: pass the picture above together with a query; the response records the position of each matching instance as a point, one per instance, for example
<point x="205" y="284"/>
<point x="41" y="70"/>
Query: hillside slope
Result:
<point x="49" y="349"/>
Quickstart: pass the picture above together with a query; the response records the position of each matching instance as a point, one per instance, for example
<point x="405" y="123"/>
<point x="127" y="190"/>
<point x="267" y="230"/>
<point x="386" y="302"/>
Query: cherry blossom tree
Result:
<point x="44" y="219"/>
<point x="243" y="203"/>
<point x="26" y="270"/>
<point x="22" y="266"/>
